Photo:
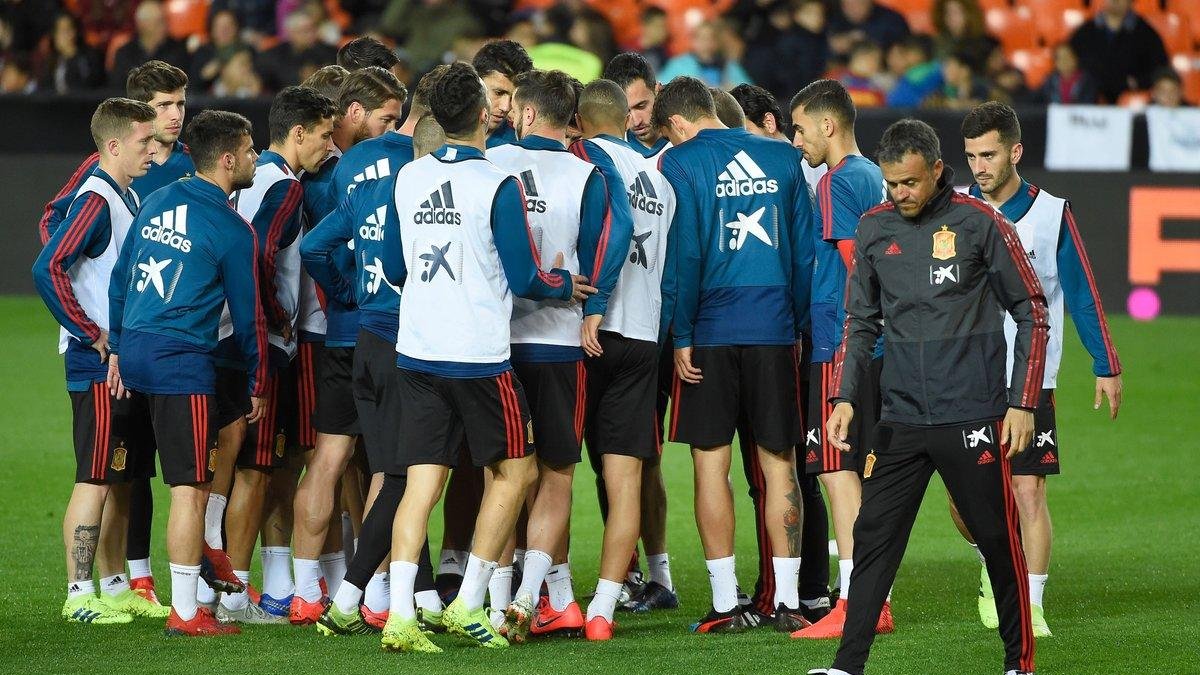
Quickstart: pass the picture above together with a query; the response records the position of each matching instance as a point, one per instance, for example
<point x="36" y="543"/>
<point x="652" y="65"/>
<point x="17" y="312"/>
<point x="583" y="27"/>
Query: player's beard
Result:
<point x="243" y="179"/>
<point x="1000" y="178"/>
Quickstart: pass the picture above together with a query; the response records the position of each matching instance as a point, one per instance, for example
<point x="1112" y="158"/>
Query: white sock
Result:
<point x="119" y="583"/>
<point x="333" y="568"/>
<point x="558" y="581"/>
<point x="845" y="567"/>
<point x="308" y="579"/>
<point x="236" y="601"/>
<point x="723" y="578"/>
<point x="428" y="600"/>
<point x="453" y="562"/>
<point x="348" y="596"/>
<point x="205" y="594"/>
<point x="1037" y="588"/>
<point x="475" y="582"/>
<point x="78" y="588"/>
<point x="214" y="517"/>
<point x="787" y="580"/>
<point x="537" y="565"/>
<point x="604" y="603"/>
<point x="277" y="572"/>
<point x="139" y="569"/>
<point x="500" y="587"/>
<point x="183" y="590"/>
<point x="659" y="566"/>
<point x="982" y="560"/>
<point x="403" y="578"/>
<point x="378" y="596"/>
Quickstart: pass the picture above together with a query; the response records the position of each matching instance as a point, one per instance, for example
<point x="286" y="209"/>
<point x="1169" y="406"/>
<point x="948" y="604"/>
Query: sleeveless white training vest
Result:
<point x="90" y="276"/>
<point x="553" y="183"/>
<point x="311" y="317"/>
<point x="456" y="304"/>
<point x="635" y="308"/>
<point x="1039" y="230"/>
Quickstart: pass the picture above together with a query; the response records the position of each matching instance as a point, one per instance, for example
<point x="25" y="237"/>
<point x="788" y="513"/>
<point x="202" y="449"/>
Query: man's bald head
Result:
<point x="603" y="105"/>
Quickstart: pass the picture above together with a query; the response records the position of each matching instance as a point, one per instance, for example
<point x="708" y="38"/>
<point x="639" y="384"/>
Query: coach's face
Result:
<point x="992" y="162"/>
<point x="169" y="108"/>
<point x="911" y="182"/>
<point x="499" y="96"/>
<point x="808" y="138"/>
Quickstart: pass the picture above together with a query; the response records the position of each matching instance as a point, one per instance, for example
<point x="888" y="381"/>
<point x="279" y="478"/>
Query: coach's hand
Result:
<point x="838" y="426"/>
<point x="580" y="290"/>
<point x="684" y="368"/>
<point x="1110" y="387"/>
<point x="115" y="387"/>
<point x="258" y="405"/>
<point x="590" y="334"/>
<point x="1017" y="430"/>
<point x="101" y="345"/>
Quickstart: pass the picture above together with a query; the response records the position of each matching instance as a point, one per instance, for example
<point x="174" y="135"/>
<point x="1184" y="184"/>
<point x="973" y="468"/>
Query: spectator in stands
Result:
<point x="1009" y="85"/>
<point x="66" y="62"/>
<point x="237" y="78"/>
<point x="574" y="43"/>
<point x="960" y="30"/>
<point x="430" y="28"/>
<point x="224" y="40"/>
<point x="709" y="59"/>
<point x="1068" y="84"/>
<point x="16" y="75"/>
<point x="328" y="30"/>
<point x="366" y="14"/>
<point x="299" y="56"/>
<point x="918" y="75"/>
<point x="857" y="20"/>
<point x="102" y="20"/>
<point x="521" y="28"/>
<point x="151" y="42"/>
<point x="29" y="21"/>
<point x="961" y="87"/>
<point x="861" y="76"/>
<point x="652" y="43"/>
<point x="1119" y="49"/>
<point x="256" y="17"/>
<point x="1167" y="89"/>
<point x="793" y="34"/>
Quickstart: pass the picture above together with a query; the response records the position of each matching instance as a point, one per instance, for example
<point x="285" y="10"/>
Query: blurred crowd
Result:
<point x="931" y="53"/>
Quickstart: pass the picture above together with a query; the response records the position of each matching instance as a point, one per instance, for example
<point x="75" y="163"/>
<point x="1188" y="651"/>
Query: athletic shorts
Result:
<point x="758" y="382"/>
<point x="557" y="395"/>
<point x="185" y="433"/>
<point x="438" y="413"/>
<point x="232" y="396"/>
<point x="622" y="391"/>
<point x="308" y="354"/>
<point x="113" y="439"/>
<point x="1041" y="457"/>
<point x="377" y="399"/>
<point x="819" y="454"/>
<point x="335" y="413"/>
<point x="267" y="441"/>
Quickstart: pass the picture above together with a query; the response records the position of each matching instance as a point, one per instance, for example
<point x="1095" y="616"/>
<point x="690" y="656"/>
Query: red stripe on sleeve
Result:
<point x="260" y="322"/>
<point x="551" y="280"/>
<point x="287" y="210"/>
<point x="825" y="203"/>
<point x="58" y="273"/>
<point x="602" y="244"/>
<point x="72" y="185"/>
<point x="1114" y="362"/>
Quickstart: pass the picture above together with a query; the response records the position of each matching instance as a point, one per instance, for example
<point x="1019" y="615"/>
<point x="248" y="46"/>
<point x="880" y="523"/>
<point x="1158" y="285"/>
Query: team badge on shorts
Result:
<point x="529" y="432"/>
<point x="943" y="244"/>
<point x="280" y="441"/>
<point x="212" y="458"/>
<point x="118" y="460"/>
<point x="869" y="465"/>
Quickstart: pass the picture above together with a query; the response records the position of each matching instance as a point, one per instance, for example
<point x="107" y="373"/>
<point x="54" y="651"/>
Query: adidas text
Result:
<point x="437" y="217"/>
<point x="760" y="186"/>
<point x="644" y="203"/>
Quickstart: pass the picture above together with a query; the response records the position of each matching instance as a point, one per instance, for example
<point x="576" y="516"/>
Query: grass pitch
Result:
<point x="1123" y="594"/>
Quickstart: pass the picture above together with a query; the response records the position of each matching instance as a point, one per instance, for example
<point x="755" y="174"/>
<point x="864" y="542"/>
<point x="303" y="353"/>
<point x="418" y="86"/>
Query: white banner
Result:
<point x="1088" y="138"/>
<point x="1174" y="138"/>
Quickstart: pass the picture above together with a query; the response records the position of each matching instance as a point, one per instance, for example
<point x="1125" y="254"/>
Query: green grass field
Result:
<point x="1123" y="592"/>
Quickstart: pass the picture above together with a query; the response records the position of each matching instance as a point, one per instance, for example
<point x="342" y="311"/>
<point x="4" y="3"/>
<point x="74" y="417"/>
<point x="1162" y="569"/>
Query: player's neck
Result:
<point x="549" y="133"/>
<point x="163" y="152"/>
<point x="224" y="183"/>
<point x="477" y="141"/>
<point x="343" y="137"/>
<point x="703" y="123"/>
<point x="114" y="172"/>
<point x="410" y="123"/>
<point x="839" y="149"/>
<point x="1005" y="192"/>
<point x="289" y="154"/>
<point x="613" y="131"/>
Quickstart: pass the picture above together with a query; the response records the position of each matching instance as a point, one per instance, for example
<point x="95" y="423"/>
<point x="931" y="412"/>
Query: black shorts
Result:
<point x="438" y="413"/>
<point x="819" y="454"/>
<point x="185" y="432"/>
<point x="113" y="439"/>
<point x="232" y="397"/>
<point x="622" y="388"/>
<point x="760" y="383"/>
<point x="377" y="398"/>
<point x="557" y="395"/>
<point x="1041" y="457"/>
<point x="335" y="413"/>
<point x="308" y="354"/>
<point x="267" y="441"/>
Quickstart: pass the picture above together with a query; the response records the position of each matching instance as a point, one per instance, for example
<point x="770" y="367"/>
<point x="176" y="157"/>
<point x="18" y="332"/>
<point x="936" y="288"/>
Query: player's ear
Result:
<point x="769" y="124"/>
<point x="1015" y="154"/>
<point x="113" y="145"/>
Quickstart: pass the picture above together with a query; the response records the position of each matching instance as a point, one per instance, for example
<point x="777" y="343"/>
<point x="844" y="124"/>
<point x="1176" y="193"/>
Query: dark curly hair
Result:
<point x="502" y="56"/>
<point x="304" y="106"/>
<point x="457" y="98"/>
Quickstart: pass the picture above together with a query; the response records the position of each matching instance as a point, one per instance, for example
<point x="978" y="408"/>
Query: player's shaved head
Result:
<point x="427" y="136"/>
<point x="602" y="103"/>
<point x="115" y="117"/>
<point x="728" y="110"/>
<point x="827" y="98"/>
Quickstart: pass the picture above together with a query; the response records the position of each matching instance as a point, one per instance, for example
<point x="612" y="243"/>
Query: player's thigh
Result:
<point x="770" y="388"/>
<point x="335" y="413"/>
<point x="1042" y="456"/>
<point x="185" y="433"/>
<point x="495" y="418"/>
<point x="705" y="414"/>
<point x="556" y="394"/>
<point x="429" y="431"/>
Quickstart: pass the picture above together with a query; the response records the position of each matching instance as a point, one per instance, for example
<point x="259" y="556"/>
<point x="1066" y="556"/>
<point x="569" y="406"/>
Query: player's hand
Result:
<point x="258" y="406"/>
<point x="115" y="387"/>
<point x="1112" y="388"/>
<point x="684" y="368"/>
<point x="287" y="332"/>
<point x="590" y="334"/>
<point x="101" y="345"/>
<point x="1017" y="431"/>
<point x="837" y="428"/>
<point x="580" y="290"/>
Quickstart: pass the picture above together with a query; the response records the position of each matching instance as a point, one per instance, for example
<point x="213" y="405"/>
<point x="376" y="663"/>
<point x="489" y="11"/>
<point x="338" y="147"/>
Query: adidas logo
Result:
<point x="811" y="457"/>
<point x="380" y="169"/>
<point x="743" y="177"/>
<point x="116" y="581"/>
<point x="894" y="249"/>
<point x="1049" y="458"/>
<point x="986" y="458"/>
<point x="529" y="184"/>
<point x="642" y="195"/>
<point x="478" y="632"/>
<point x="372" y="229"/>
<point x="169" y="228"/>
<point x="75" y="588"/>
<point x="1032" y="254"/>
<point x="439" y="208"/>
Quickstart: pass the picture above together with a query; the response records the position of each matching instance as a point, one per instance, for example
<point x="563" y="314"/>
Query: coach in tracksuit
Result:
<point x="938" y="270"/>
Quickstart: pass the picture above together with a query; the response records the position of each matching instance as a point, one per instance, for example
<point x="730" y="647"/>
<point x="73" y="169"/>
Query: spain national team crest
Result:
<point x="212" y="458"/>
<point x="280" y="441"/>
<point x="529" y="432"/>
<point x="943" y="244"/>
<point x="119" y="456"/>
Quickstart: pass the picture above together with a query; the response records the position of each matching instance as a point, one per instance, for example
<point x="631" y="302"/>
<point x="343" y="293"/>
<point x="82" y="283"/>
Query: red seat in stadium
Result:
<point x="1035" y="63"/>
<point x="1134" y="99"/>
<point x="1174" y="31"/>
<point x="1014" y="28"/>
<point x="995" y="4"/>
<point x="1146" y="8"/>
<point x="186" y="18"/>
<point x="907" y="6"/>
<point x="1188" y="67"/>
<point x="1056" y="26"/>
<point x="1189" y="9"/>
<point x="920" y="21"/>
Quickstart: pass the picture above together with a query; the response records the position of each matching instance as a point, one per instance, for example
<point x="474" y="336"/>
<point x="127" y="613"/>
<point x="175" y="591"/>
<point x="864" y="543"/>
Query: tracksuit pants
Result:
<point x="971" y="463"/>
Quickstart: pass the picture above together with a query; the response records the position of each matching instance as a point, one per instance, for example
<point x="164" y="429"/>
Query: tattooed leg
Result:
<point x="81" y="529"/>
<point x="784" y="508"/>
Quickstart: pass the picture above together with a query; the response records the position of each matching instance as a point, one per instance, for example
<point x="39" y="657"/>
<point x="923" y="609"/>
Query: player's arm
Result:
<point x="318" y="247"/>
<point x="240" y="277"/>
<point x="514" y="243"/>
<point x="277" y="224"/>
<point x="605" y="228"/>
<point x="684" y="257"/>
<point x="803" y="252"/>
<point x="864" y="324"/>
<point x="56" y="209"/>
<point x="118" y="289"/>
<point x="84" y="232"/>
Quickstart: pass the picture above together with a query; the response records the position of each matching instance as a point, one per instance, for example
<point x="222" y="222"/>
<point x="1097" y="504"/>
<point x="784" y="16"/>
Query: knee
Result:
<point x="1030" y="496"/>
